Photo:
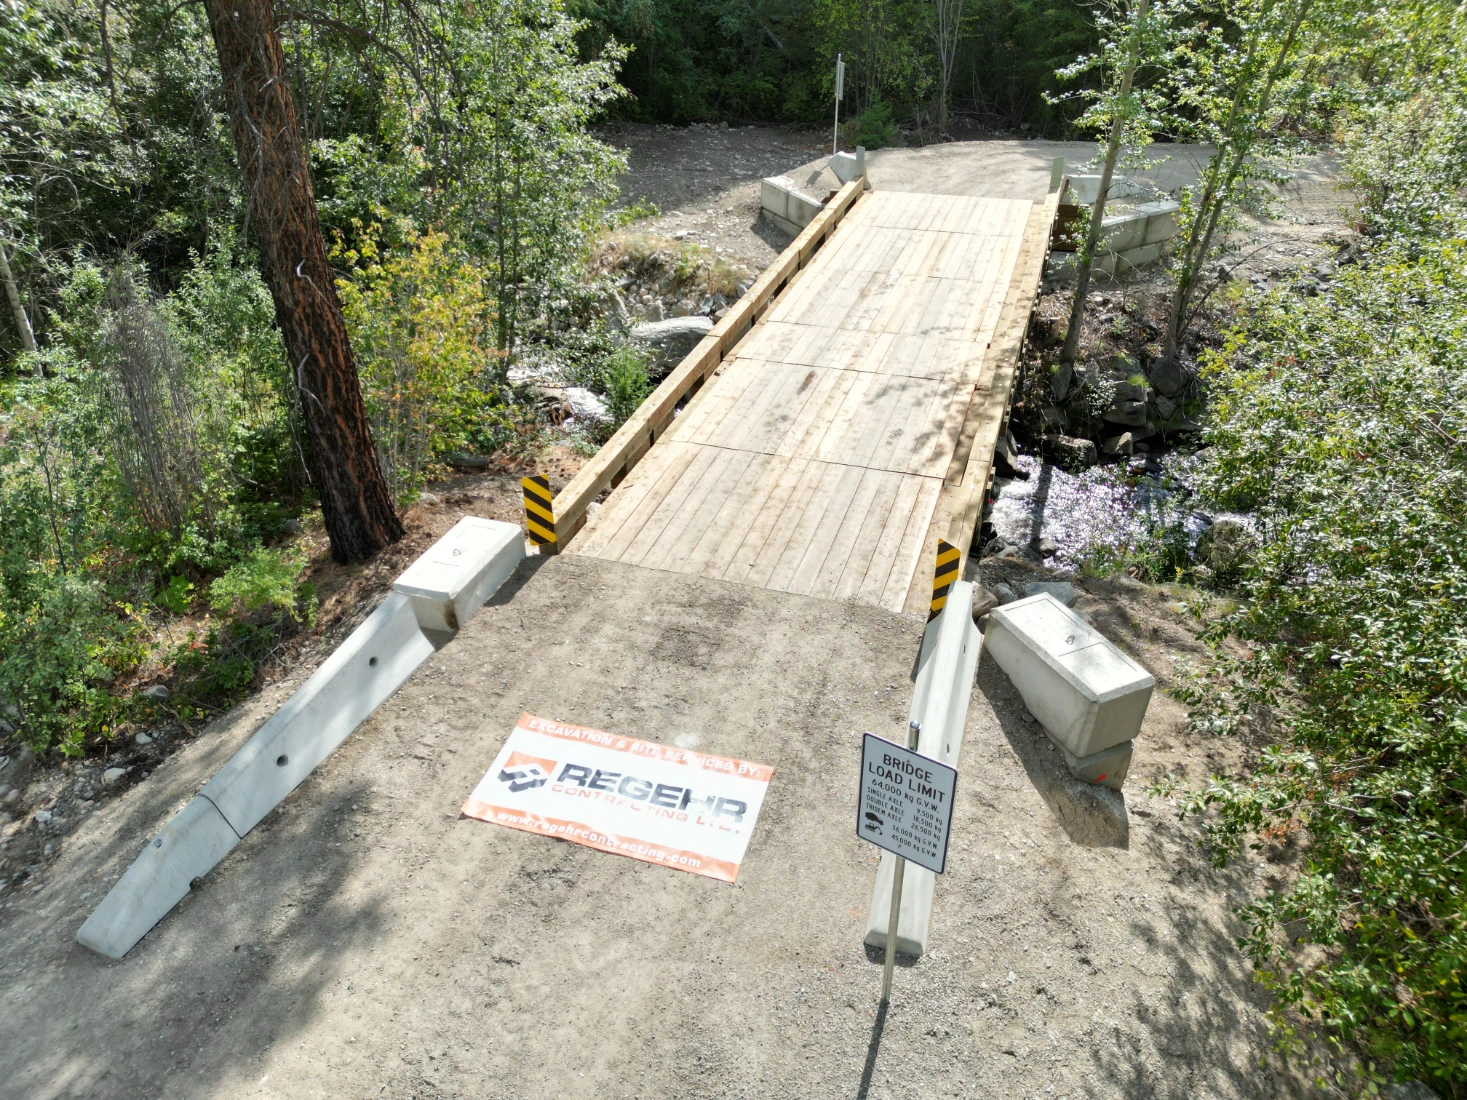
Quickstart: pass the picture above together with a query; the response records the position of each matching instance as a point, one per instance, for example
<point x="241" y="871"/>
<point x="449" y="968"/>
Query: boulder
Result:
<point x="586" y="405"/>
<point x="1129" y="412"/>
<point x="1165" y="407"/>
<point x="1126" y="391"/>
<point x="984" y="601"/>
<point x="16" y="770"/>
<point x="1069" y="451"/>
<point x="463" y="461"/>
<point x="1168" y="376"/>
<point x="1122" y="444"/>
<point x="1063" y="591"/>
<point x="1004" y="594"/>
<point x="157" y="693"/>
<point x="1006" y="458"/>
<point x="1411" y="1090"/>
<point x="669" y="341"/>
<point x="1122" y="364"/>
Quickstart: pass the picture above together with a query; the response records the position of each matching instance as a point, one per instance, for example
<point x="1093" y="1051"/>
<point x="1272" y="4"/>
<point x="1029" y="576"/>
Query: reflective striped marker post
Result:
<point x="539" y="513"/>
<point x="948" y="562"/>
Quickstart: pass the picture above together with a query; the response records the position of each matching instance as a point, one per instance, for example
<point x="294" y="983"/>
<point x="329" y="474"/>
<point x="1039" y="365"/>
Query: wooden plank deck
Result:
<point x="816" y="456"/>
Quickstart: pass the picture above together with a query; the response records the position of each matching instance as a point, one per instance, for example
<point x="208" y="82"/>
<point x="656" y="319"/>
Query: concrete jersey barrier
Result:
<point x="437" y="593"/>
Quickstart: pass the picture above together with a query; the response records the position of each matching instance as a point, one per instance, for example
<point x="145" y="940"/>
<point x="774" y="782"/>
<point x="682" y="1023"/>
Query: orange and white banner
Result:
<point x="664" y="805"/>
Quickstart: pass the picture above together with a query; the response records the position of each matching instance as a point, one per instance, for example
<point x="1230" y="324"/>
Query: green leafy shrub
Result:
<point x="873" y="128"/>
<point x="626" y="383"/>
<point x="422" y="327"/>
<point x="1341" y="422"/>
<point x="267" y="579"/>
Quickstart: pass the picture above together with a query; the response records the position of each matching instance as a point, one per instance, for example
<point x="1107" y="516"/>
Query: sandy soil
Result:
<point x="705" y="180"/>
<point x="367" y="941"/>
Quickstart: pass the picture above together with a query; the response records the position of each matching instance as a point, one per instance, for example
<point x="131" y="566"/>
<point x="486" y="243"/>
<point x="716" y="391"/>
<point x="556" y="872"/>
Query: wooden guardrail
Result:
<point x="653" y="417"/>
<point x="970" y="477"/>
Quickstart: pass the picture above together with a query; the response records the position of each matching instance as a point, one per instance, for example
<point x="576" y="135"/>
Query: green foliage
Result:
<point x="422" y="327"/>
<point x="1341" y="422"/>
<point x="1408" y="156"/>
<point x="873" y="127"/>
<point x="266" y="579"/>
<point x="482" y="132"/>
<point x="773" y="60"/>
<point x="626" y="383"/>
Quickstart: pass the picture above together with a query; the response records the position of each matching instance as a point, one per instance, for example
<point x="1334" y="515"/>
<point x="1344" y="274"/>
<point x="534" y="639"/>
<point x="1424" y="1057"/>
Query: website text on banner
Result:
<point x="660" y="804"/>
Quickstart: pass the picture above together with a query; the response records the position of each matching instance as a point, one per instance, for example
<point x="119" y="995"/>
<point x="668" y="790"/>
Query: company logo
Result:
<point x="523" y="773"/>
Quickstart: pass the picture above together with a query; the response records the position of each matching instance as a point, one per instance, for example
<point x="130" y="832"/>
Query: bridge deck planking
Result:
<point x="814" y="457"/>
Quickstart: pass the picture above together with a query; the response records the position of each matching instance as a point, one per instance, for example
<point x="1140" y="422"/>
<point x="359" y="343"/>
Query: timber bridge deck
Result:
<point x="842" y="418"/>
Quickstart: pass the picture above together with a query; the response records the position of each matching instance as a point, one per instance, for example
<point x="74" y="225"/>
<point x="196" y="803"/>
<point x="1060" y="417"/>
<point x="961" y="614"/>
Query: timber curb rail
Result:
<point x="635" y="438"/>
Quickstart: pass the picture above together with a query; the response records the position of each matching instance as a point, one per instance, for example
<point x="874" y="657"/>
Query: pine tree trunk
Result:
<point x="359" y="511"/>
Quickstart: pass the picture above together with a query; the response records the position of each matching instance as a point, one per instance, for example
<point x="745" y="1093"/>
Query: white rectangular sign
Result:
<point x="906" y="802"/>
<point x="664" y="805"/>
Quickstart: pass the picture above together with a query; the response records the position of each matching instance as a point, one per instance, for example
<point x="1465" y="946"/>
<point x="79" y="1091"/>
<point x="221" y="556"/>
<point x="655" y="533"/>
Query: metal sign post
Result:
<point x="840" y="90"/>
<point x="906" y="808"/>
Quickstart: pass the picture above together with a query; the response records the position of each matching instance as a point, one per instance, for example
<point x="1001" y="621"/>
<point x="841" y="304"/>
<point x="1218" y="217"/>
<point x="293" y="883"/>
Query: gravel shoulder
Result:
<point x="365" y="940"/>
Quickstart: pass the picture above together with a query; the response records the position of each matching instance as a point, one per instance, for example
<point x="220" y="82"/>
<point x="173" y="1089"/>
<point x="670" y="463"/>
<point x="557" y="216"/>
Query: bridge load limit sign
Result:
<point x="674" y="807"/>
<point x="906" y="802"/>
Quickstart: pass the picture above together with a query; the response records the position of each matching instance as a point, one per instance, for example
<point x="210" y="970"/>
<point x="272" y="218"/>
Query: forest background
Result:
<point x="153" y="473"/>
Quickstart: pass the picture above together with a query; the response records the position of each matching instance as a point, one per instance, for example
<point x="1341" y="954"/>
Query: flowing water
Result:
<point x="1107" y="506"/>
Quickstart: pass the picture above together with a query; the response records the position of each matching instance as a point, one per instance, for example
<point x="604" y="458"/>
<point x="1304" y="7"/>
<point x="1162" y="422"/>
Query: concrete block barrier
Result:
<point x="1086" y="186"/>
<point x="1108" y="767"/>
<point x="373" y="662"/>
<point x="460" y="571"/>
<point x="1086" y="693"/>
<point x="187" y="847"/>
<point x="447" y="584"/>
<point x="787" y="205"/>
<point x="946" y="668"/>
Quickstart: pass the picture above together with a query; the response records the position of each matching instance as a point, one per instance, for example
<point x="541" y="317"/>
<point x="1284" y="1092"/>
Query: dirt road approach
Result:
<point x="366" y="941"/>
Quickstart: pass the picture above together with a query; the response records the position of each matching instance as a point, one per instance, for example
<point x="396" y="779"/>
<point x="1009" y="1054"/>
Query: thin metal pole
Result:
<point x="914" y="730"/>
<point x="835" y="133"/>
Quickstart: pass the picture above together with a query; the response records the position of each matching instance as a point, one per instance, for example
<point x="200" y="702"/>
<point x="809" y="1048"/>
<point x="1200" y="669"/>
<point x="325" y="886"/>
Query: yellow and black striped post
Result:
<point x="539" y="513"/>
<point x="948" y="561"/>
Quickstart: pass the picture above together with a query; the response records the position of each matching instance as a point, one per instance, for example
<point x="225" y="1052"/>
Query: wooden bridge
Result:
<point x="841" y="419"/>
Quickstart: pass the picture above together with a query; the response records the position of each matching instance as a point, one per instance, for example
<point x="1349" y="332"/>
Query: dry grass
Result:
<point x="674" y="267"/>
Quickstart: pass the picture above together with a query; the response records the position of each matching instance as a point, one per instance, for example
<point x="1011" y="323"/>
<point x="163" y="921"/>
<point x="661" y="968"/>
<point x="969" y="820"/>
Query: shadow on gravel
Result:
<point x="873" y="1049"/>
<point x="1091" y="816"/>
<point x="523" y="574"/>
<point x="1198" y="1028"/>
<point x="241" y="964"/>
<point x="776" y="239"/>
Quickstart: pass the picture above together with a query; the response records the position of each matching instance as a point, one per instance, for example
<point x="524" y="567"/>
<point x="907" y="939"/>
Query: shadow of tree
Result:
<point x="239" y="965"/>
<point x="1091" y="816"/>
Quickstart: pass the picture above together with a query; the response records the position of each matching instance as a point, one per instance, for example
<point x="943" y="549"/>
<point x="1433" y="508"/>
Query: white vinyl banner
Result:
<point x="664" y="805"/>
